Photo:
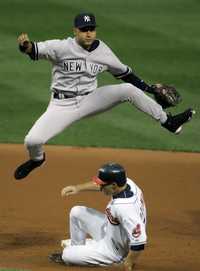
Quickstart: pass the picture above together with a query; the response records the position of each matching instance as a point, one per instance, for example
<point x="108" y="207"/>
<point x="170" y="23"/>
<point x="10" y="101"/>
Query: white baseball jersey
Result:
<point x="74" y="68"/>
<point x="127" y="220"/>
<point x="123" y="228"/>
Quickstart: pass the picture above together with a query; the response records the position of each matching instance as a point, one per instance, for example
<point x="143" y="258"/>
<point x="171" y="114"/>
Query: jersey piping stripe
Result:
<point x="135" y="193"/>
<point x="36" y="51"/>
<point x="137" y="247"/>
<point x="138" y="243"/>
<point x="128" y="70"/>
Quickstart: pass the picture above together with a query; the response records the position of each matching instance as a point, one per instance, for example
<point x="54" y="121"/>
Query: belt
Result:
<point x="67" y="95"/>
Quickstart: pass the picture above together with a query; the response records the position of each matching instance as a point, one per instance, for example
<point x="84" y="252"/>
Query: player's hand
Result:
<point x="25" y="45"/>
<point x="128" y="266"/>
<point x="166" y="95"/>
<point x="124" y="266"/>
<point x="69" y="190"/>
<point x="131" y="260"/>
<point x="22" y="39"/>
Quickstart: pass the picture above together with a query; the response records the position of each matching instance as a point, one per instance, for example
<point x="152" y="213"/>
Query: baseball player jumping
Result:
<point x="119" y="235"/>
<point x="76" y="63"/>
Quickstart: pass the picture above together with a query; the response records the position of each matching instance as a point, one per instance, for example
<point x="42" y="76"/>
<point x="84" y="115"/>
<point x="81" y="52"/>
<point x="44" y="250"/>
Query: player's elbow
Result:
<point x="76" y="211"/>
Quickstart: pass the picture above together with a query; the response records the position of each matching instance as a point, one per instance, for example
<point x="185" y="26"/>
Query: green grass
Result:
<point x="158" y="39"/>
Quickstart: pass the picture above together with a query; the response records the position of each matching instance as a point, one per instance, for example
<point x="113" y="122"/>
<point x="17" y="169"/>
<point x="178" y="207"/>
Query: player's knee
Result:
<point x="31" y="141"/>
<point x="131" y="92"/>
<point x="69" y="256"/>
<point x="129" y="87"/>
<point x="75" y="255"/>
<point x="76" y="211"/>
<point x="127" y="90"/>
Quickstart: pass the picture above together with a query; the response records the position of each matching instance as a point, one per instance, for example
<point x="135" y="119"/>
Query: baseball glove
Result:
<point x="165" y="95"/>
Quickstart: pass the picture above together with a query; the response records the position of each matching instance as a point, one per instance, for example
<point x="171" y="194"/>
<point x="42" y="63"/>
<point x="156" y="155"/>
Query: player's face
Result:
<point x="108" y="189"/>
<point x="85" y="36"/>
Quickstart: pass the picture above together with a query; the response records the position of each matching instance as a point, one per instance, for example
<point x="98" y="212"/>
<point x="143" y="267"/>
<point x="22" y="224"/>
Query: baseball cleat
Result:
<point x="23" y="170"/>
<point x="174" y="123"/>
<point x="56" y="258"/>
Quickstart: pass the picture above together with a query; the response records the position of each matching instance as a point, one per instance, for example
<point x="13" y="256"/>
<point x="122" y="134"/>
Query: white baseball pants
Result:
<point x="62" y="113"/>
<point x="84" y="221"/>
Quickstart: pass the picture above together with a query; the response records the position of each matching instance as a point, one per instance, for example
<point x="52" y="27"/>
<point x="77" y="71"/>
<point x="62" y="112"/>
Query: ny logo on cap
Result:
<point x="87" y="18"/>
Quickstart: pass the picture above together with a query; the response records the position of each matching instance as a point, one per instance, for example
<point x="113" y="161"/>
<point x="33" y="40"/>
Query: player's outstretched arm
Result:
<point x="164" y="95"/>
<point x="75" y="189"/>
<point x="25" y="45"/>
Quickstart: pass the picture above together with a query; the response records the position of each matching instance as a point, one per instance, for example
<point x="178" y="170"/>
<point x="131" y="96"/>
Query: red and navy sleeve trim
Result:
<point x="137" y="247"/>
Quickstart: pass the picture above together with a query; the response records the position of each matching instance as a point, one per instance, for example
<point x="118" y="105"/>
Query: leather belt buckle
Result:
<point x="62" y="95"/>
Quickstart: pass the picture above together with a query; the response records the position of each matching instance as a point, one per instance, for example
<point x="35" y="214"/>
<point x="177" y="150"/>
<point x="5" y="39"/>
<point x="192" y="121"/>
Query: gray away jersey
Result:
<point x="74" y="68"/>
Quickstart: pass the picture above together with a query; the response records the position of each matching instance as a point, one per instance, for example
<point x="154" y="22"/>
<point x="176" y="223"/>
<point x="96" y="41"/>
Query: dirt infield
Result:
<point x="34" y="218"/>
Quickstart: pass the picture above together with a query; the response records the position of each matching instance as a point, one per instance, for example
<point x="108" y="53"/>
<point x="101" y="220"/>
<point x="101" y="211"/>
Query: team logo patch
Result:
<point x="136" y="231"/>
<point x="87" y="18"/>
<point x="113" y="220"/>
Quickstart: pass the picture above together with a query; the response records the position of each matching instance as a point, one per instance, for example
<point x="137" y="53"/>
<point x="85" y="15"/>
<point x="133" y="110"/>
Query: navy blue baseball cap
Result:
<point x="84" y="19"/>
